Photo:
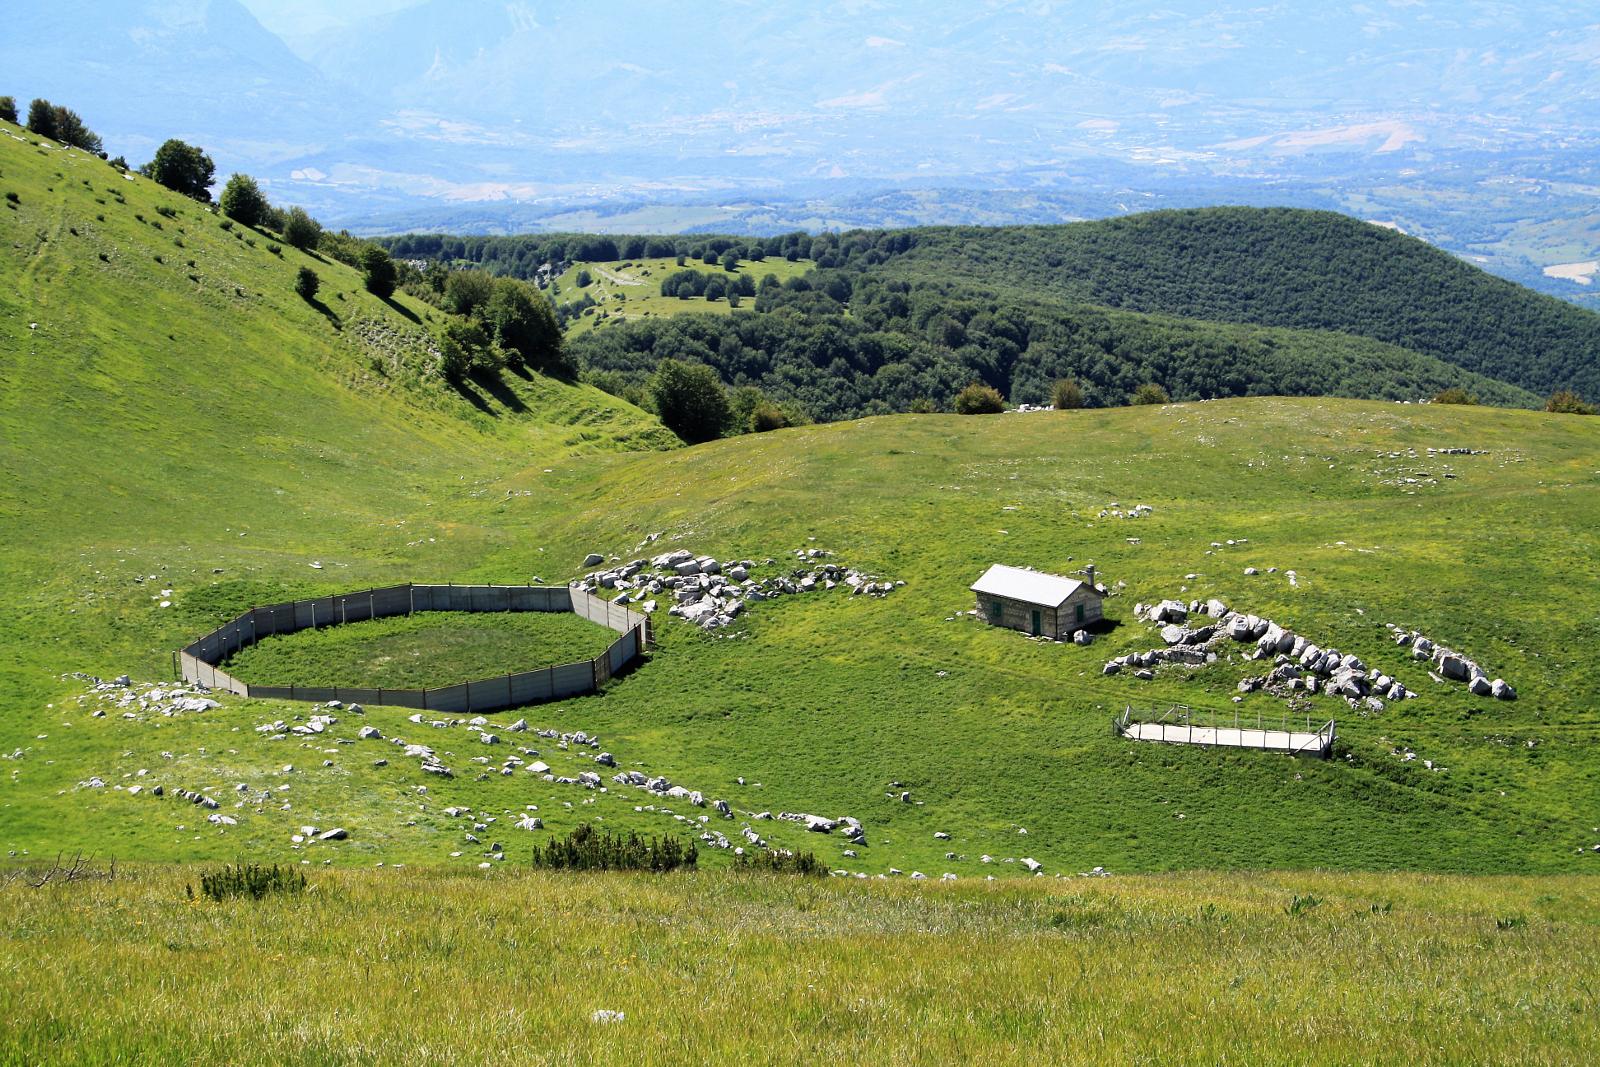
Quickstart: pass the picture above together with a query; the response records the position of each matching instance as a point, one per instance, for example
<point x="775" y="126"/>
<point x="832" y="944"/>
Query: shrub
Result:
<point x="378" y="272"/>
<point x="923" y="406"/>
<point x="689" y="400"/>
<point x="42" y="119"/>
<point x="767" y="416"/>
<point x="182" y="168"/>
<point x="306" y="284"/>
<point x="252" y="880"/>
<point x="465" y="347"/>
<point x="1455" y="395"/>
<point x="584" y="279"/>
<point x="1300" y="905"/>
<point x="1566" y="402"/>
<point x="301" y="230"/>
<point x="780" y="861"/>
<point x="14" y="198"/>
<point x="586" y="850"/>
<point x="276" y="250"/>
<point x="979" y="399"/>
<point x="1066" y="395"/>
<point x="243" y="201"/>
<point x="467" y="291"/>
<point x="1150" y="393"/>
<point x="8" y="109"/>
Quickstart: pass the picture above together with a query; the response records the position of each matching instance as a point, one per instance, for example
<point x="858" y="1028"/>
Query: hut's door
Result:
<point x="1037" y="627"/>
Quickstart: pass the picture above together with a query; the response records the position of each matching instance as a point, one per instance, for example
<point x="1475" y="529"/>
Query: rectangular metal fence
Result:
<point x="197" y="662"/>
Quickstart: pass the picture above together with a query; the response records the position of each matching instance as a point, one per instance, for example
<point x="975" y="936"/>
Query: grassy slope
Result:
<point x="207" y="416"/>
<point x="631" y="289"/>
<point x="823" y="701"/>
<point x="407" y="967"/>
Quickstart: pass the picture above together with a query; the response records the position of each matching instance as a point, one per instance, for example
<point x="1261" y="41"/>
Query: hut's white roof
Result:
<point x="1033" y="587"/>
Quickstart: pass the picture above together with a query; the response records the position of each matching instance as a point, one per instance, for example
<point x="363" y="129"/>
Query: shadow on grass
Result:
<point x="327" y="312"/>
<point x="491" y="383"/>
<point x="472" y="396"/>
<point x="400" y="309"/>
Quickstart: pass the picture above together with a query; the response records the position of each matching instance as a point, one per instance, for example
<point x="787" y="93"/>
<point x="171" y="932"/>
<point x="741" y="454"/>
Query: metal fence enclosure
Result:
<point x="198" y="661"/>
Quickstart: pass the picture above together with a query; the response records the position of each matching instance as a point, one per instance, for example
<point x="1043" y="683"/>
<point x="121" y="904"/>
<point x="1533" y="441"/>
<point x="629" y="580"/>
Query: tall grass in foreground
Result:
<point x="435" y="967"/>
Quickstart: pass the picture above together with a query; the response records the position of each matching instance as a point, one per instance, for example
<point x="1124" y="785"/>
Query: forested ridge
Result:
<point x="1204" y="303"/>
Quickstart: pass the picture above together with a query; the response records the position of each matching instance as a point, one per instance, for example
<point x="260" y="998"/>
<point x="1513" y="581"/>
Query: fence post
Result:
<point x="411" y="588"/>
<point x="176" y="674"/>
<point x="594" y="675"/>
<point x="469" y="680"/>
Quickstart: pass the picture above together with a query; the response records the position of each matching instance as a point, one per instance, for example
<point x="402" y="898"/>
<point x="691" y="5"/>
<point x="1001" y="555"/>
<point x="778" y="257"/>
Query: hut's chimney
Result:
<point x="1089" y="573"/>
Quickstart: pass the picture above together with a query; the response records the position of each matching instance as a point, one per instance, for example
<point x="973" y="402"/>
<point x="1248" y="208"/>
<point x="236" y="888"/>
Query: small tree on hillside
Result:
<point x="183" y="168"/>
<point x="1455" y="395"/>
<point x="1151" y="393"/>
<point x="465" y="348"/>
<point x="306" y="284"/>
<point x="466" y="291"/>
<point x="1566" y="402"/>
<point x="583" y="279"/>
<point x="730" y="261"/>
<point x="979" y="399"/>
<point x="690" y="400"/>
<point x="523" y="323"/>
<point x="1066" y="395"/>
<point x="767" y="416"/>
<point x="243" y="201"/>
<point x="378" y="272"/>
<point x="42" y="119"/>
<point x="8" y="109"/>
<point x="716" y="289"/>
<point x="71" y="130"/>
<point x="301" y="230"/>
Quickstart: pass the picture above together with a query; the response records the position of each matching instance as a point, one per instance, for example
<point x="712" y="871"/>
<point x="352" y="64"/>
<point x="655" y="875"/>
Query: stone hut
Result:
<point x="1044" y="605"/>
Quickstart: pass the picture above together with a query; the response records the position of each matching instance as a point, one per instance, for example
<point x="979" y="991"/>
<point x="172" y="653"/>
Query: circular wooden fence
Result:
<point x="199" y="661"/>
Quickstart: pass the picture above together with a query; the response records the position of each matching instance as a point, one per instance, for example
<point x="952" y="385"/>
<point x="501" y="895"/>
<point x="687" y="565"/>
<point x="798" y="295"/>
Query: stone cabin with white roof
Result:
<point x="1044" y="605"/>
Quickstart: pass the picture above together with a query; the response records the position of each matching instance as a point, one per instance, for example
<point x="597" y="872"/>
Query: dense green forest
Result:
<point x="1206" y="303"/>
<point x="1314" y="270"/>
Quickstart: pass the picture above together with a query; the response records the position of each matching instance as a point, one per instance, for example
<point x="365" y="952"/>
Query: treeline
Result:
<point x="523" y="256"/>
<point x="836" y="344"/>
<point x="1308" y="270"/>
<point x="55" y="122"/>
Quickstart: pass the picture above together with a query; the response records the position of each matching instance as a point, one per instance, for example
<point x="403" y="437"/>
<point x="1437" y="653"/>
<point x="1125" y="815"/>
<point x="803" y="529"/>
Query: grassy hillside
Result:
<point x="182" y="442"/>
<point x="406" y="966"/>
<point x="167" y="401"/>
<point x="823" y="703"/>
<point x="1312" y="270"/>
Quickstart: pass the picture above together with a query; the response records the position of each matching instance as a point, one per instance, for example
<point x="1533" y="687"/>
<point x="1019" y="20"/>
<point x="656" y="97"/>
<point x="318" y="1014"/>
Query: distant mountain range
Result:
<point x="511" y="113"/>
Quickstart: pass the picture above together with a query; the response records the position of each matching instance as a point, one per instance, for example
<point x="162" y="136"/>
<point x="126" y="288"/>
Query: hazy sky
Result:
<point x="291" y="17"/>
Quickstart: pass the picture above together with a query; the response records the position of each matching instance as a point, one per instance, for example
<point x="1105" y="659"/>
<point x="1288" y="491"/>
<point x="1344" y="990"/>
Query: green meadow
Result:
<point x="182" y="438"/>
<point x="415" y="966"/>
<point x="631" y="289"/>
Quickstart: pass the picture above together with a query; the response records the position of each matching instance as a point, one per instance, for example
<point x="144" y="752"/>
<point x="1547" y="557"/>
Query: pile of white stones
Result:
<point x="711" y="593"/>
<point x="1452" y="666"/>
<point x="1301" y="665"/>
<point x="137" y="701"/>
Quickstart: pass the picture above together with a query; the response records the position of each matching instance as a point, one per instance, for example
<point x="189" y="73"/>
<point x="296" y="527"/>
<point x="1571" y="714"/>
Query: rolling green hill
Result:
<point x="162" y="385"/>
<point x="1313" y="270"/>
<point x="1208" y="303"/>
